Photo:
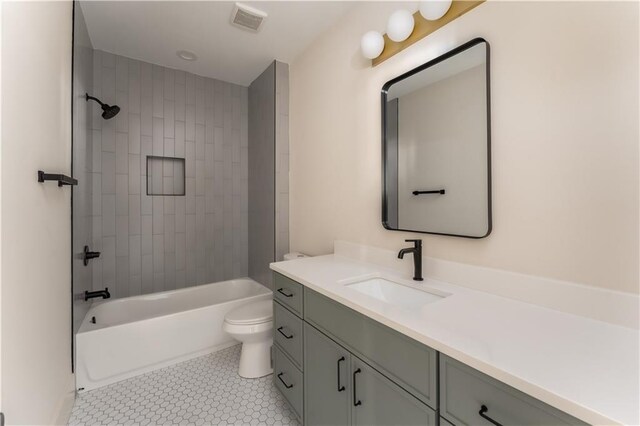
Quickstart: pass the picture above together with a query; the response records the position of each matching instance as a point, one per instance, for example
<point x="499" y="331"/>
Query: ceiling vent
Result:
<point x="247" y="17"/>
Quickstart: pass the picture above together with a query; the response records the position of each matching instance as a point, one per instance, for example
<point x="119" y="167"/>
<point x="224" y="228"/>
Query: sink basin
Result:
<point x="394" y="293"/>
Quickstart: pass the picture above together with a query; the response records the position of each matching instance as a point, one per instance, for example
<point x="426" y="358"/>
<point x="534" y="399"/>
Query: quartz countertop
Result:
<point x="586" y="368"/>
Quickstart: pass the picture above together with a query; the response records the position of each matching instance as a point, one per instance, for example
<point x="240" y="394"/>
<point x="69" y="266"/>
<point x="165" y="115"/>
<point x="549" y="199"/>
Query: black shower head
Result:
<point x="108" y="111"/>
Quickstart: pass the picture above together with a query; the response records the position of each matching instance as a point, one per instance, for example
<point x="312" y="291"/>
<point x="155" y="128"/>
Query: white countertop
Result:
<point x="587" y="368"/>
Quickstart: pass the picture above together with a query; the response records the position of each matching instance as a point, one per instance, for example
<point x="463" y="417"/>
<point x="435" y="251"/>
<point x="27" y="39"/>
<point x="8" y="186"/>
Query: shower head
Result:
<point x="108" y="111"/>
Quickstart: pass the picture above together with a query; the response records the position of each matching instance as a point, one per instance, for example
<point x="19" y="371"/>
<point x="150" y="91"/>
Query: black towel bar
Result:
<point x="437" y="191"/>
<point x="62" y="179"/>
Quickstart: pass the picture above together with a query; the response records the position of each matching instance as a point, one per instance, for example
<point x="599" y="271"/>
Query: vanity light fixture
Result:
<point x="372" y="44"/>
<point x="186" y="55"/>
<point x="432" y="10"/>
<point x="404" y="28"/>
<point x="400" y="25"/>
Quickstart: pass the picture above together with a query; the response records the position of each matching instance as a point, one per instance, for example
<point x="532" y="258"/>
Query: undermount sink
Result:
<point x="394" y="293"/>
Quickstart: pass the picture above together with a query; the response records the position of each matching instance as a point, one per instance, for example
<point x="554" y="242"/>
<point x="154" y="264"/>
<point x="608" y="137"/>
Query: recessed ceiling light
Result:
<point x="186" y="55"/>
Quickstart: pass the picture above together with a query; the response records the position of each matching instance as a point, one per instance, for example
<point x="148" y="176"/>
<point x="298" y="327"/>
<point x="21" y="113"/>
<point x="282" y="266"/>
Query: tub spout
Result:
<point x="100" y="293"/>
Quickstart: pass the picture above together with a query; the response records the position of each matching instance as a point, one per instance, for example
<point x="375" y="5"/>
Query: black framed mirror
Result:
<point x="436" y="146"/>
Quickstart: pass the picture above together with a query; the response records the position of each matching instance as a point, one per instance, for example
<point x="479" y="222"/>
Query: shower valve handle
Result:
<point x="88" y="255"/>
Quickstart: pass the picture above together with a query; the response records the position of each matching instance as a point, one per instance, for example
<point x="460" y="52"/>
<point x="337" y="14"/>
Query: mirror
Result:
<point x="436" y="146"/>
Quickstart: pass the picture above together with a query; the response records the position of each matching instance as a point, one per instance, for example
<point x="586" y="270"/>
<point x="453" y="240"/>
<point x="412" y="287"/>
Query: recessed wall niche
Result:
<point x="165" y="176"/>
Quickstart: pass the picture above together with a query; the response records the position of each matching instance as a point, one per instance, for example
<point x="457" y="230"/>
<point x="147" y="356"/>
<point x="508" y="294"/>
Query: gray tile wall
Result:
<point x="262" y="176"/>
<point x="155" y="243"/>
<point x="82" y="153"/>
<point x="268" y="170"/>
<point x="282" y="160"/>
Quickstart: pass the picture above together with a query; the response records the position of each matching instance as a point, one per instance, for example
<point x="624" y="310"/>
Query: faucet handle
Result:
<point x="416" y="242"/>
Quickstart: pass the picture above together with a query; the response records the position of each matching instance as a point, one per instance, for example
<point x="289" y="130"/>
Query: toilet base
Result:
<point x="255" y="360"/>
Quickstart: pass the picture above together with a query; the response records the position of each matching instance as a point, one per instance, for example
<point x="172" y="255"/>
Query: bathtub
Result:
<point x="135" y="335"/>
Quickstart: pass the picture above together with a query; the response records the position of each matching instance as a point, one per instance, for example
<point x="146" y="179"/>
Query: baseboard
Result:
<point x="614" y="307"/>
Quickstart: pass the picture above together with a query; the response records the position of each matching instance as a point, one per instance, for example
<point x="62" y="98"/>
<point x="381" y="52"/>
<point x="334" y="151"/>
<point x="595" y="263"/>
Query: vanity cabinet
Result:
<point x="336" y="366"/>
<point x="355" y="394"/>
<point x="407" y="362"/>
<point x="469" y="397"/>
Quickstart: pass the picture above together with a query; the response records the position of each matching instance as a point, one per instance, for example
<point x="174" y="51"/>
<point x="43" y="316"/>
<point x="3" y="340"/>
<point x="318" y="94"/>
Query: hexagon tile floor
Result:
<point x="201" y="391"/>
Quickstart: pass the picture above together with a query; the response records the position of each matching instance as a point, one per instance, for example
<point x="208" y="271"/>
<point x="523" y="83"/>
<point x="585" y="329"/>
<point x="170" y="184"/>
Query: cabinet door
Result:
<point x="378" y="401"/>
<point x="326" y="377"/>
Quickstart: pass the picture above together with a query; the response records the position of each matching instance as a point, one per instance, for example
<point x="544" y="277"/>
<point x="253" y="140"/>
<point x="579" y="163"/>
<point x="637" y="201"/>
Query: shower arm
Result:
<point x="87" y="97"/>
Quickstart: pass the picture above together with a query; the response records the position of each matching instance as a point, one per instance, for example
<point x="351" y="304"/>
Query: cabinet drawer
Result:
<point x="465" y="391"/>
<point x="409" y="363"/>
<point x="288" y="333"/>
<point x="288" y="380"/>
<point x="288" y="292"/>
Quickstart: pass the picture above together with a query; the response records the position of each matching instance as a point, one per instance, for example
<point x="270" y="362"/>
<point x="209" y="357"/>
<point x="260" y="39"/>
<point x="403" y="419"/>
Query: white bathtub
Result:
<point x="138" y="334"/>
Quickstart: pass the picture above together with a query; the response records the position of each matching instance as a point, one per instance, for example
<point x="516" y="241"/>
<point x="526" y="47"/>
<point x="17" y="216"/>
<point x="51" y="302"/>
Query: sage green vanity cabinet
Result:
<point x="341" y="389"/>
<point x="407" y="362"/>
<point x="469" y="397"/>
<point x="336" y="366"/>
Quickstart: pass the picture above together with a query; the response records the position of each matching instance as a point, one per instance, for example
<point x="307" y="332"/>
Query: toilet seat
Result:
<point x="251" y="314"/>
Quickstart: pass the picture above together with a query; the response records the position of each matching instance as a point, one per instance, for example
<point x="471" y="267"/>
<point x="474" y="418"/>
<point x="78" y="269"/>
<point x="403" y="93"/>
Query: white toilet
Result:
<point x="252" y="324"/>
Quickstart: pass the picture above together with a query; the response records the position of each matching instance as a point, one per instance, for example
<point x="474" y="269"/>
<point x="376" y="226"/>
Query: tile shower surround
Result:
<point x="156" y="243"/>
<point x="268" y="180"/>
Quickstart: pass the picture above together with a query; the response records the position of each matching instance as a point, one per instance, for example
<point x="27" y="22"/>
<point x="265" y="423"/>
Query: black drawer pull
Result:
<point x="283" y="382"/>
<point x="356" y="401"/>
<point x="340" y="387"/>
<point x="284" y="294"/>
<point x="482" y="412"/>
<point x="283" y="333"/>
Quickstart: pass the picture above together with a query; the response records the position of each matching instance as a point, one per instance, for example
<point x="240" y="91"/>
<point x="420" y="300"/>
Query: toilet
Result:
<point x="252" y="325"/>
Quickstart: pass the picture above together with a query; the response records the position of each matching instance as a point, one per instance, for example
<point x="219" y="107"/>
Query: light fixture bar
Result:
<point x="423" y="28"/>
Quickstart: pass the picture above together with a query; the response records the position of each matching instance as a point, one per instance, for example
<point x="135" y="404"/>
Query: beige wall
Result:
<point x="565" y="139"/>
<point x="36" y="383"/>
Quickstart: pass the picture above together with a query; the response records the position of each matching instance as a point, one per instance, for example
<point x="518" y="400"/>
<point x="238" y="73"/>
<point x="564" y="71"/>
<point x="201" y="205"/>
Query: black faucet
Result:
<point x="417" y="257"/>
<point x="100" y="293"/>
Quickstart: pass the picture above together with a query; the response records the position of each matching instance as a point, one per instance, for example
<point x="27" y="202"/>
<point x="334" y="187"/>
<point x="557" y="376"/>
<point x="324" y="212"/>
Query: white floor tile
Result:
<point x="202" y="391"/>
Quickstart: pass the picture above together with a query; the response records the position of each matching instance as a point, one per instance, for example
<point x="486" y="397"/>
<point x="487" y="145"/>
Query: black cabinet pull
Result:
<point x="340" y="387"/>
<point x="283" y="382"/>
<point x="483" y="414"/>
<point x="356" y="401"/>
<point x="285" y="294"/>
<point x="283" y="333"/>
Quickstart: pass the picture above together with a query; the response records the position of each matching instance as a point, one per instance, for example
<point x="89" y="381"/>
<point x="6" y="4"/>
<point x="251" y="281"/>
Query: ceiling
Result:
<point x="153" y="31"/>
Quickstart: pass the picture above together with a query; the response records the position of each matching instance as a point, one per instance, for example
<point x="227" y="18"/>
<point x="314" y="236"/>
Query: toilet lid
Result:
<point x="251" y="313"/>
